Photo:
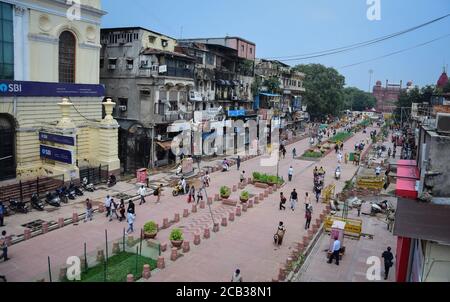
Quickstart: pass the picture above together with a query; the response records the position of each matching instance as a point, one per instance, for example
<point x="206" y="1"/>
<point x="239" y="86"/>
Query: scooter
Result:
<point x="53" y="199"/>
<point x="225" y="168"/>
<point x="18" y="206"/>
<point x="112" y="181"/>
<point x="75" y="190"/>
<point x="88" y="186"/>
<point x="36" y="203"/>
<point x="380" y="207"/>
<point x="178" y="190"/>
<point x="337" y="174"/>
<point x="64" y="195"/>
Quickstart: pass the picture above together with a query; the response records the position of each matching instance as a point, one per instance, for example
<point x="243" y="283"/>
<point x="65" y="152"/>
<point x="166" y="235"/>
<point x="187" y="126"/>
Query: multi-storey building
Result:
<point x="387" y="97"/>
<point x="48" y="53"/>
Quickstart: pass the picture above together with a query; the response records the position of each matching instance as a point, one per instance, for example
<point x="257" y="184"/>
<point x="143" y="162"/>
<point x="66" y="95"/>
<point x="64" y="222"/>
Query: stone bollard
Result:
<point x="161" y="264"/>
<point x="27" y="234"/>
<point x="234" y="188"/>
<point x="310" y="234"/>
<point x="74" y="218"/>
<point x="177" y="218"/>
<point x="318" y="222"/>
<point x="250" y="204"/>
<point x="194" y="208"/>
<point x="210" y="200"/>
<point x="275" y="188"/>
<point x="238" y="211"/>
<point x="231" y="217"/>
<point x="101" y="208"/>
<point x="130" y="278"/>
<point x="289" y="261"/>
<point x="206" y="233"/>
<point x="282" y="274"/>
<point x="315" y="228"/>
<point x="306" y="241"/>
<point x="261" y="196"/>
<point x="224" y="221"/>
<point x="146" y="273"/>
<point x="197" y="239"/>
<point x="244" y="207"/>
<point x="60" y="222"/>
<point x="165" y="223"/>
<point x="116" y="248"/>
<point x="249" y="181"/>
<point x="216" y="228"/>
<point x="163" y="247"/>
<point x="270" y="190"/>
<point x="186" y="247"/>
<point x="266" y="193"/>
<point x="216" y="197"/>
<point x="62" y="273"/>
<point x="44" y="227"/>
<point x="100" y="256"/>
<point x="202" y="204"/>
<point x="256" y="200"/>
<point x="301" y="247"/>
<point x="185" y="213"/>
<point x="174" y="254"/>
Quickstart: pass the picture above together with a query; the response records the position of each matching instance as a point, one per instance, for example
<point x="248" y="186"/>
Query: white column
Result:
<point x="21" y="48"/>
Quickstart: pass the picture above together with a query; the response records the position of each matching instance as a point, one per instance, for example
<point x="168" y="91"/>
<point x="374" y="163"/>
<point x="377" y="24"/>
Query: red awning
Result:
<point x="408" y="172"/>
<point x="406" y="188"/>
<point x="410" y="163"/>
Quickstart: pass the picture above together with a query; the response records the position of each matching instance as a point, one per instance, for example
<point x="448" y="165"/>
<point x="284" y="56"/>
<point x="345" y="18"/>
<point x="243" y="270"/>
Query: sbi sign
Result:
<point x="10" y="87"/>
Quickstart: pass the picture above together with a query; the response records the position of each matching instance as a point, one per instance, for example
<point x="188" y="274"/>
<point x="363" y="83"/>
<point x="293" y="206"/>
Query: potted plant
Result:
<point x="176" y="238"/>
<point x="150" y="230"/>
<point x="244" y="197"/>
<point x="225" y="192"/>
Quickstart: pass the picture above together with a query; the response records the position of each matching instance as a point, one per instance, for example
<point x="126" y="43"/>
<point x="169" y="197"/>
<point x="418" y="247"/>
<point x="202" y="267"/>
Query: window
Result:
<point x="151" y="39"/>
<point x="67" y="44"/>
<point x="130" y="63"/>
<point x="251" y="50"/>
<point x="6" y="42"/>
<point x="102" y="62"/>
<point x="164" y="43"/>
<point x="173" y="105"/>
<point x="242" y="48"/>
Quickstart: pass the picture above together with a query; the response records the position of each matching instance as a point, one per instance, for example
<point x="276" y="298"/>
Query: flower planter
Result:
<point x="150" y="235"/>
<point x="177" y="243"/>
<point x="261" y="185"/>
<point x="225" y="196"/>
<point x="243" y="200"/>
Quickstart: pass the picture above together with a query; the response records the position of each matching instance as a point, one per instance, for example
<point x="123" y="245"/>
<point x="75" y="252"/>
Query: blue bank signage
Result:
<point x="236" y="113"/>
<point x="57" y="154"/>
<point x="59" y="139"/>
<point x="28" y="89"/>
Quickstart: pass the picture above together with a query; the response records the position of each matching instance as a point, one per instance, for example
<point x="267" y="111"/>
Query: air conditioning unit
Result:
<point x="129" y="66"/>
<point x="443" y="123"/>
<point x="111" y="66"/>
<point x="123" y="108"/>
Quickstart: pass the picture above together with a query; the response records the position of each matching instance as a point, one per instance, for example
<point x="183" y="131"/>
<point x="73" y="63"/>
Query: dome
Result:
<point x="443" y="80"/>
<point x="379" y="83"/>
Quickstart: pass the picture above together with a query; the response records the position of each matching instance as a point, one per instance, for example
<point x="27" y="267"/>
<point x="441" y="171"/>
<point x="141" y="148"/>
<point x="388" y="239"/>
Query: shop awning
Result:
<point x="270" y="94"/>
<point x="406" y="188"/>
<point x="165" y="145"/>
<point x="407" y="172"/>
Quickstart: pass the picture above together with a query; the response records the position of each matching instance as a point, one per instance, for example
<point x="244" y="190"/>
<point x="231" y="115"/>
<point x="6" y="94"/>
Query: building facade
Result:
<point x="387" y="97"/>
<point x="50" y="52"/>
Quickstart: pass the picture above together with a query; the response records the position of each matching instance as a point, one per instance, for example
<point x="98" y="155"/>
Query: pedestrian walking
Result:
<point x="4" y="246"/>
<point x="142" y="193"/>
<point x="113" y="210"/>
<point x="294" y="200"/>
<point x="290" y="173"/>
<point x="207" y="179"/>
<point x="237" y="277"/>
<point x="122" y="210"/>
<point x="308" y="217"/>
<point x="283" y="201"/>
<point x="318" y="192"/>
<point x="346" y="158"/>
<point x="283" y="151"/>
<point x="307" y="201"/>
<point x="158" y="193"/>
<point x="131" y="207"/>
<point x="388" y="262"/>
<point x="342" y="147"/>
<point x="131" y="217"/>
<point x="339" y="158"/>
<point x="199" y="195"/>
<point x="191" y="196"/>
<point x="294" y="153"/>
<point x="238" y="162"/>
<point x="335" y="253"/>
<point x="242" y="177"/>
<point x="389" y="153"/>
<point x="2" y="213"/>
<point x="184" y="185"/>
<point x="88" y="210"/>
<point x="108" y="205"/>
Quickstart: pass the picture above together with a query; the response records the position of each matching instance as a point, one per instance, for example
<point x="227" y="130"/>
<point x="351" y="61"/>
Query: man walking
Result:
<point x="88" y="210"/>
<point x="4" y="246"/>
<point x="307" y="201"/>
<point x="308" y="217"/>
<point x="158" y="192"/>
<point x="282" y="202"/>
<point x="113" y="210"/>
<point x="142" y="193"/>
<point x="290" y="173"/>
<point x="108" y="205"/>
<point x="294" y="199"/>
<point x="388" y="262"/>
<point x="318" y="192"/>
<point x="131" y="207"/>
<point x="238" y="162"/>
<point x="2" y="213"/>
<point x="237" y="277"/>
<point x="242" y="177"/>
<point x="131" y="217"/>
<point x="336" y="251"/>
<point x="294" y="153"/>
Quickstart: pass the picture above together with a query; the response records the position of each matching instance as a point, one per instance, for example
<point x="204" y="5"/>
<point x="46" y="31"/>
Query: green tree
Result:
<point x="416" y="95"/>
<point x="273" y="84"/>
<point x="358" y="100"/>
<point x="324" y="90"/>
<point x="447" y="88"/>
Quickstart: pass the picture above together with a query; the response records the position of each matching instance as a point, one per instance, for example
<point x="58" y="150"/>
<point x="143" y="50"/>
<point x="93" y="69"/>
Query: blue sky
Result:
<point x="292" y="27"/>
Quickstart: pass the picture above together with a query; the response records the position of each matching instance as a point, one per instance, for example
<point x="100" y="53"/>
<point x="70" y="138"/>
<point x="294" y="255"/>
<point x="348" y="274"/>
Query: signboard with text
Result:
<point x="57" y="154"/>
<point x="28" y="89"/>
<point x="59" y="139"/>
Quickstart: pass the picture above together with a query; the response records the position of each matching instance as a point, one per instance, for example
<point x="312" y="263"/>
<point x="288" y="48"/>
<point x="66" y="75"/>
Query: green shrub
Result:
<point x="150" y="227"/>
<point x="245" y="195"/>
<point x="267" y="179"/>
<point x="225" y="191"/>
<point x="340" y="137"/>
<point x="176" y="235"/>
<point x="313" y="154"/>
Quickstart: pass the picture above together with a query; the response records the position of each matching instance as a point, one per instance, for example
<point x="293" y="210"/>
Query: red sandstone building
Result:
<point x="387" y="96"/>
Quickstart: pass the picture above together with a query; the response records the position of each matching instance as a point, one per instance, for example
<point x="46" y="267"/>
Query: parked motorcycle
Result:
<point x="337" y="173"/>
<point x="75" y="190"/>
<point x="381" y="207"/>
<point x="18" y="206"/>
<point x="53" y="199"/>
<point x="88" y="186"/>
<point x="64" y="195"/>
<point x="112" y="181"/>
<point x="178" y="190"/>
<point x="36" y="203"/>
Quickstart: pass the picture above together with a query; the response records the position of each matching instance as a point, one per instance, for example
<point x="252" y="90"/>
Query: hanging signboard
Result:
<point x="57" y="154"/>
<point x="20" y="88"/>
<point x="55" y="138"/>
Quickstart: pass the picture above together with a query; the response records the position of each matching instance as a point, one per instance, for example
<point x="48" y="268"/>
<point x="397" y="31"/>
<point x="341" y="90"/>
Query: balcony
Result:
<point x="179" y="72"/>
